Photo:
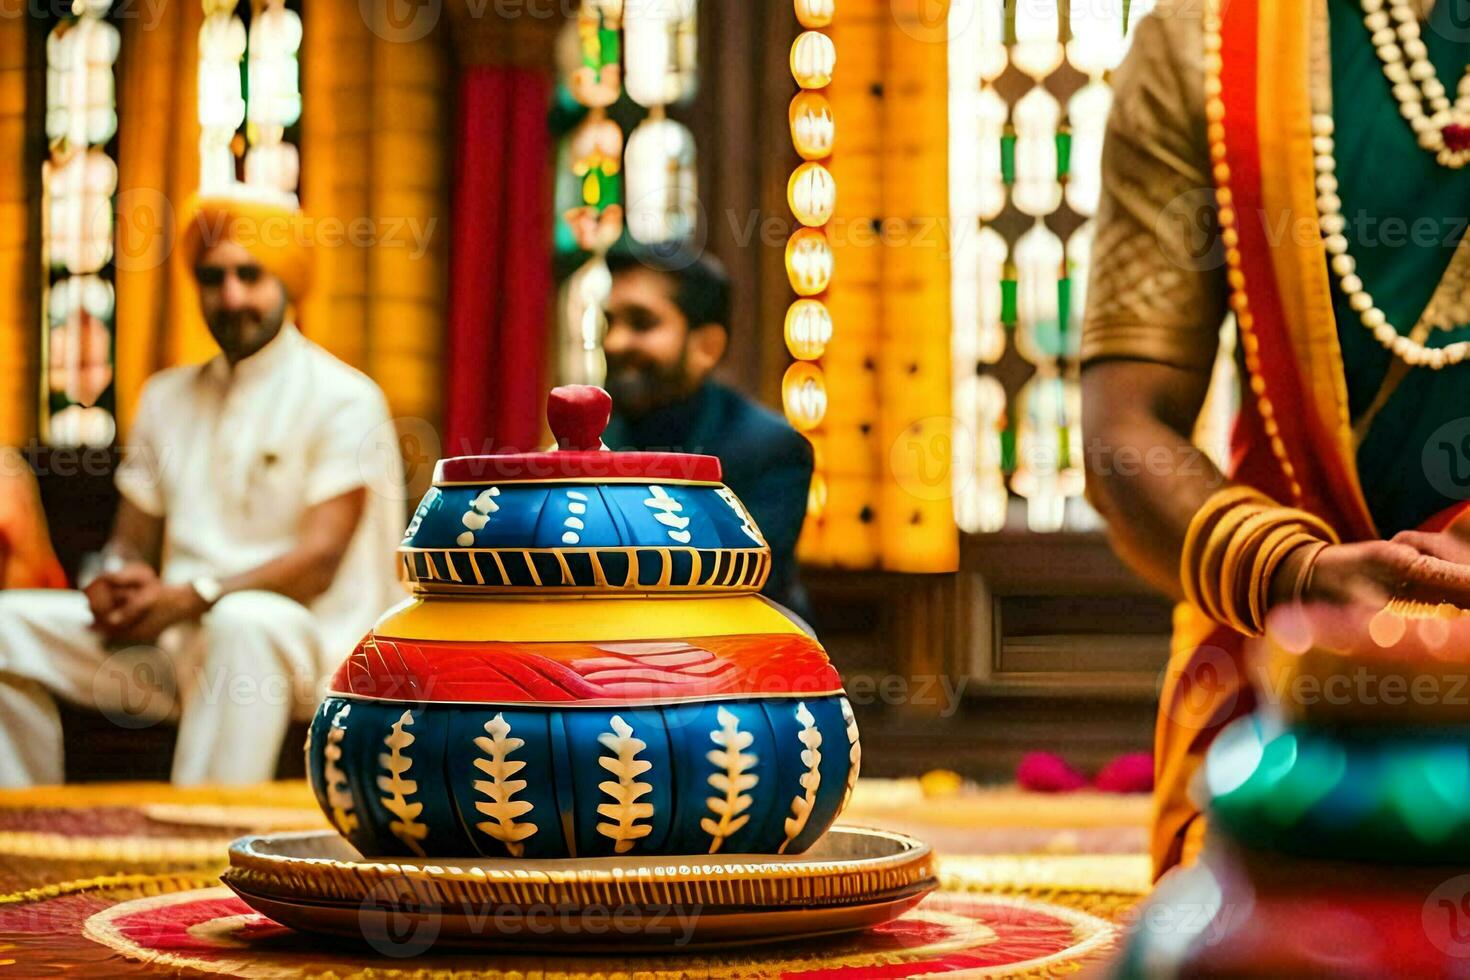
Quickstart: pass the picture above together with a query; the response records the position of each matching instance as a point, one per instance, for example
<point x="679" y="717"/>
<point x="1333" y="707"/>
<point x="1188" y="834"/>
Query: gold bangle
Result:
<point x="1232" y="549"/>
<point x="1241" y="554"/>
<point x="1304" y="574"/>
<point x="1212" y="562"/>
<point x="1284" y="548"/>
<point x="1218" y="502"/>
<point x="1315" y="523"/>
<point x="1259" y="547"/>
<point x="1252" y="535"/>
<point x="1257" y="585"/>
<point x="1287" y="548"/>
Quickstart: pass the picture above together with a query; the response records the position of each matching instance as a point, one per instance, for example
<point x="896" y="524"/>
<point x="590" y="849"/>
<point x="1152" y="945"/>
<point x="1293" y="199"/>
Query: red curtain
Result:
<point x="500" y="285"/>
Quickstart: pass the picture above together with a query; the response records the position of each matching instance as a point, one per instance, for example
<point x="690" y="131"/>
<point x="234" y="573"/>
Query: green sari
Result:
<point x="1405" y="216"/>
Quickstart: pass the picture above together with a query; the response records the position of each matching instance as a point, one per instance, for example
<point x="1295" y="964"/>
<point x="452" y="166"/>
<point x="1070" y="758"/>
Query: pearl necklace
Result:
<point x="1409" y="349"/>
<point x="1445" y="133"/>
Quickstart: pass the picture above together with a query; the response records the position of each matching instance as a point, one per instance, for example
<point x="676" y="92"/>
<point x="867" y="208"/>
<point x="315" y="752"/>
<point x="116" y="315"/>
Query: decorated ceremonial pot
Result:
<point x="585" y="669"/>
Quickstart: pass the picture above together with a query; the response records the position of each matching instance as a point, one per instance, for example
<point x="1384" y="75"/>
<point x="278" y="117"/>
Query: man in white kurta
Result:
<point x="268" y="485"/>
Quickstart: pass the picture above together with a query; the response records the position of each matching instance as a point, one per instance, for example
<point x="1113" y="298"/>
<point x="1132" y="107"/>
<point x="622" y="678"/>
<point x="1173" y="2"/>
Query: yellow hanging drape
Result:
<point x="374" y="135"/>
<point x="916" y="509"/>
<point x="158" y="322"/>
<point x="20" y="317"/>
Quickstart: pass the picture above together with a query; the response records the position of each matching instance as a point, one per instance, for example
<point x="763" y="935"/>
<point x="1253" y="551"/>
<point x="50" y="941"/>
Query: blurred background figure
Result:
<point x="668" y="326"/>
<point x="26" y="558"/>
<point x="253" y="541"/>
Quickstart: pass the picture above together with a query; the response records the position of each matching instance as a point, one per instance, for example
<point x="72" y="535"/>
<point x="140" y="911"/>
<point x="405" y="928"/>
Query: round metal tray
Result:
<point x="853" y="878"/>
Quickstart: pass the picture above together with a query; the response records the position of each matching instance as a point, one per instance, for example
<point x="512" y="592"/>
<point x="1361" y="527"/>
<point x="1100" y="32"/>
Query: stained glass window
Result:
<point x="275" y="97"/>
<point x="1029" y="98"/>
<point x="79" y="179"/>
<point x="250" y="77"/>
<point x="625" y="165"/>
<point x="221" y="93"/>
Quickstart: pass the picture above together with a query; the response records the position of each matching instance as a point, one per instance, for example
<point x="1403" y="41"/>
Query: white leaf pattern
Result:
<point x="747" y="523"/>
<point x="500" y="788"/>
<point x="339" y="797"/>
<point x="811" y="780"/>
<point x="407" y="827"/>
<point x="854" y="753"/>
<point x="666" y="512"/>
<point x="478" y="515"/>
<point x="731" y="778"/>
<point x="576" y="506"/>
<point x="625" y="812"/>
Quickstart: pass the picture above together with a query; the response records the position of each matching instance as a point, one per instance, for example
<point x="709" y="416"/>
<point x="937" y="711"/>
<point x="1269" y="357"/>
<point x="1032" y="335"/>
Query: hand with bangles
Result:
<point x="1417" y="566"/>
<point x="1244" y="554"/>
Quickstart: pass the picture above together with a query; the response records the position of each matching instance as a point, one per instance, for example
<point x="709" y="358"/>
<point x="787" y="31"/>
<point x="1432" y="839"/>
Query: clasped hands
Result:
<point x="1419" y="566"/>
<point x="132" y="605"/>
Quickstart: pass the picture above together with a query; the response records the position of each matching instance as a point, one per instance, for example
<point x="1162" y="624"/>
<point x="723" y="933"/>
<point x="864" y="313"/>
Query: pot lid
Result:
<point x="582" y="518"/>
<point x="578" y="415"/>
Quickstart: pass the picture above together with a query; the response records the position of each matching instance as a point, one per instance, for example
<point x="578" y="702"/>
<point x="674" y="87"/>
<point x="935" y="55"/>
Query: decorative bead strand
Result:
<point x="1334" y="235"/>
<point x="1239" y="302"/>
<point x="1445" y="129"/>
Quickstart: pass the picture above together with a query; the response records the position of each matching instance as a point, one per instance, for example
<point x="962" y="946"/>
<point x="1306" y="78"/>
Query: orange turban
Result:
<point x="267" y="225"/>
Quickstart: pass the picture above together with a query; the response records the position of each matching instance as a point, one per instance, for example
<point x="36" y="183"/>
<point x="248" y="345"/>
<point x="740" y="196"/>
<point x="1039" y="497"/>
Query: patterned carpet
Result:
<point x="121" y="880"/>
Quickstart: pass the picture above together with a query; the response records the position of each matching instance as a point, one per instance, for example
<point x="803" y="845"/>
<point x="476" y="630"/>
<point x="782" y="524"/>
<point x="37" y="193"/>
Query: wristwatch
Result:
<point x="208" y="588"/>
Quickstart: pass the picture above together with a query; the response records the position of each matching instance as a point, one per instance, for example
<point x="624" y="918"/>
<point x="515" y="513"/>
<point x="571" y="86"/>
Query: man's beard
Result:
<point x="241" y="333"/>
<point x="638" y="387"/>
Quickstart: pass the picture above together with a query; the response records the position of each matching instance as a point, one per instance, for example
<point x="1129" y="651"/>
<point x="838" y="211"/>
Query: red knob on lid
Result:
<point x="578" y="415"/>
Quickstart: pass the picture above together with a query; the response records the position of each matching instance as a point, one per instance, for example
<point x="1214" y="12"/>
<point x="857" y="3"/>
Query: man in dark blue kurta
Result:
<point x="667" y="327"/>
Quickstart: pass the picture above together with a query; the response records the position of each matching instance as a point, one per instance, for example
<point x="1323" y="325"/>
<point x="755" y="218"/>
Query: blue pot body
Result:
<point x="761" y="775"/>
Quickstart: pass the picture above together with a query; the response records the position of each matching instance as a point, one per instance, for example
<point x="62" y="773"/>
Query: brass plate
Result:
<point x="852" y="879"/>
